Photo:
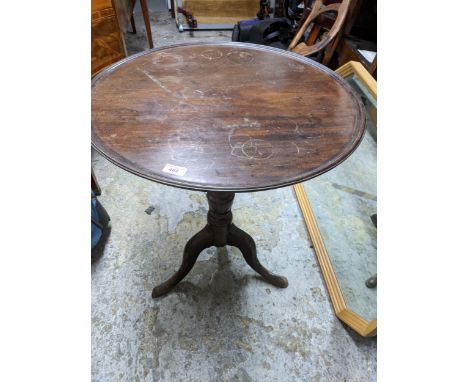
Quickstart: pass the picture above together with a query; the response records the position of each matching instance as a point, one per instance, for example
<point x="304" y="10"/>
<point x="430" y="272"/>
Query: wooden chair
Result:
<point x="144" y="9"/>
<point x="316" y="41"/>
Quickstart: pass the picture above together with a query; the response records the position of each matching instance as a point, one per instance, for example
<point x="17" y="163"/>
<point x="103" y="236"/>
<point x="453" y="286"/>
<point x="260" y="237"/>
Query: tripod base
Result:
<point x="219" y="232"/>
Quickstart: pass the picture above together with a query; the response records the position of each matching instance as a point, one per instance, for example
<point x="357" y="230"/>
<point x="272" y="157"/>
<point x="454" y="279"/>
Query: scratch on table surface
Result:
<point x="297" y="147"/>
<point x="296" y="67"/>
<point x="246" y="142"/>
<point x="211" y="54"/>
<point x="180" y="105"/>
<point x="167" y="59"/>
<point x="155" y="80"/>
<point x="172" y="150"/>
<point x="240" y="56"/>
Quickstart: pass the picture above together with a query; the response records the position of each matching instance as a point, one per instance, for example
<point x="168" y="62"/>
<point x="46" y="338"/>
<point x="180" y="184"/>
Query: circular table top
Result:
<point x="224" y="116"/>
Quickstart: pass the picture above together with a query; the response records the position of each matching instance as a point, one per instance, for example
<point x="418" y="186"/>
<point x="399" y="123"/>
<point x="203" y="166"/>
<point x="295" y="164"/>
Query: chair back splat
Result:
<point x="312" y="46"/>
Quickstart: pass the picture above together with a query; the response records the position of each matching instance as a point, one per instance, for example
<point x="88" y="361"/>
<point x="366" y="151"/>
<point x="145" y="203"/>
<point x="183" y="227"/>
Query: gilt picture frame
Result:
<point x="365" y="327"/>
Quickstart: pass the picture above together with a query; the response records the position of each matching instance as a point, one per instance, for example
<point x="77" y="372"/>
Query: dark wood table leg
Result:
<point x="199" y="242"/>
<point x="246" y="244"/>
<point x="219" y="231"/>
<point x="144" y="8"/>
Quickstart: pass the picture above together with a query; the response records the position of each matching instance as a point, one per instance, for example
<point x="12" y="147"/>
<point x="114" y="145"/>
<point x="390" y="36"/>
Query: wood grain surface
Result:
<point x="235" y="117"/>
<point x="107" y="44"/>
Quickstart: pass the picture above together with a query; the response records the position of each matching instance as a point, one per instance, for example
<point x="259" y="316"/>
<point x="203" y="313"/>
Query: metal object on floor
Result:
<point x="191" y="20"/>
<point x="374" y="219"/>
<point x="371" y="282"/>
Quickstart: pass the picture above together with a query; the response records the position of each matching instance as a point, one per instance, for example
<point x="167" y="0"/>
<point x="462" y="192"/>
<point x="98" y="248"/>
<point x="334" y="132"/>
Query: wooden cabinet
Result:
<point x="107" y="44"/>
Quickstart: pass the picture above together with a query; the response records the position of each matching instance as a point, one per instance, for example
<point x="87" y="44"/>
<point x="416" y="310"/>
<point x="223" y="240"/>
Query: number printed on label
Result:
<point x="174" y="170"/>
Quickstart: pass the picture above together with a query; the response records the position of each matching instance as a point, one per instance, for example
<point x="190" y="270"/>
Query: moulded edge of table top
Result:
<point x="202" y="187"/>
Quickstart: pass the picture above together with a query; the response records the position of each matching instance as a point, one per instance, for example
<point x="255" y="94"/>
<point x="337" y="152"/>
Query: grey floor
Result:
<point x="222" y="323"/>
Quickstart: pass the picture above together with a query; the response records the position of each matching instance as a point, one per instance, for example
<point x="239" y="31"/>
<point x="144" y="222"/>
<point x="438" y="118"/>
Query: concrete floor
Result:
<point x="222" y="323"/>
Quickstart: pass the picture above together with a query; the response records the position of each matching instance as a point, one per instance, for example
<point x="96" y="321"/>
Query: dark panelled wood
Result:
<point x="107" y="45"/>
<point x="238" y="117"/>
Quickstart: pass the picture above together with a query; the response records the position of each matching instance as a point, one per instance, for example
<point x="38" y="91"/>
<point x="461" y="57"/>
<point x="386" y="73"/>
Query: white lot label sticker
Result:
<point x="174" y="170"/>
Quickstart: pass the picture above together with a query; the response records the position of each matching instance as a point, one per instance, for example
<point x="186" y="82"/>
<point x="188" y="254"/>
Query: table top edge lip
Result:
<point x="193" y="186"/>
<point x="125" y="165"/>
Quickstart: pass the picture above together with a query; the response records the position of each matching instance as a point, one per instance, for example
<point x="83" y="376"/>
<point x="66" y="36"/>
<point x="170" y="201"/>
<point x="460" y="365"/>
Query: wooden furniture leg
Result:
<point x="219" y="232"/>
<point x="132" y="19"/>
<point x="94" y="184"/>
<point x="194" y="246"/>
<point x="144" y="8"/>
<point x="330" y="50"/>
<point x="173" y="11"/>
<point x="243" y="241"/>
<point x="354" y="6"/>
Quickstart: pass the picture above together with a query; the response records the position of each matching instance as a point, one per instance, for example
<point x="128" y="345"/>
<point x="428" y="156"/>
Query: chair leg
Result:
<point x="330" y="49"/>
<point x="144" y="8"/>
<point x="132" y="19"/>
<point x="314" y="33"/>
<point x="172" y="10"/>
<point x="94" y="184"/>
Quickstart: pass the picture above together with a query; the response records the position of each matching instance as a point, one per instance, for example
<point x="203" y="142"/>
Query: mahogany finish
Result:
<point x="238" y="117"/>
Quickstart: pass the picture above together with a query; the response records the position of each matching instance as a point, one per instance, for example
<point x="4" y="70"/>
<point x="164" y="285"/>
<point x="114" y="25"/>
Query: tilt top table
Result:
<point x="223" y="118"/>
